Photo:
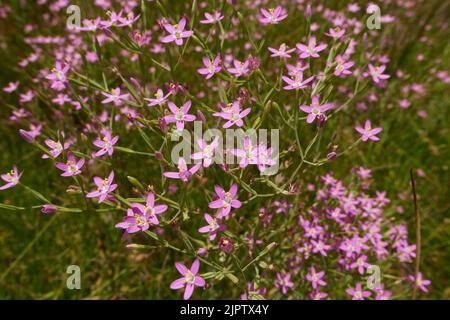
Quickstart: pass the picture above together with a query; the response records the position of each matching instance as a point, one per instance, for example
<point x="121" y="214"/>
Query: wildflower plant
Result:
<point x="103" y="104"/>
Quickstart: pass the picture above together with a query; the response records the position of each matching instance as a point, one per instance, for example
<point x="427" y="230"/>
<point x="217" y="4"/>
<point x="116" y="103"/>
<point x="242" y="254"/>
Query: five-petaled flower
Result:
<point x="104" y="187"/>
<point x="316" y="278"/>
<point x="212" y="228"/>
<point x="115" y="97"/>
<point x="71" y="167"/>
<point x="184" y="174"/>
<point x="358" y="293"/>
<point x="207" y="151"/>
<point x="273" y="15"/>
<point x="211" y="66"/>
<point x="139" y="217"/>
<point x="189" y="280"/>
<point x="11" y="178"/>
<point x="368" y="132"/>
<point x="376" y="72"/>
<point x="177" y="32"/>
<point x="311" y="50"/>
<point x="297" y="82"/>
<point x="179" y="115"/>
<point x="316" y="109"/>
<point x="105" y="144"/>
<point x="225" y="200"/>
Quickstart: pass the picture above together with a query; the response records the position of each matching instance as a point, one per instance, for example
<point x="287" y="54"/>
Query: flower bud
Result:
<point x="48" y="209"/>
<point x="226" y="244"/>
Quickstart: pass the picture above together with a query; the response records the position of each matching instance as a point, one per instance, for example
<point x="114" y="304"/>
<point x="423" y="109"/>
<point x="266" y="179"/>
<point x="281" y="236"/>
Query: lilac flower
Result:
<point x="342" y="66"/>
<point x="235" y="117"/>
<point x="189" y="280"/>
<point x="30" y="135"/>
<point x="297" y="82"/>
<point x="225" y="200"/>
<point x="104" y="187"/>
<point x="91" y="25"/>
<point x="317" y="295"/>
<point x="48" y="209"/>
<point x="58" y="76"/>
<point x="357" y="293"/>
<point x="115" y="97"/>
<point x="360" y="264"/>
<point x="368" y="132"/>
<point x="420" y="282"/>
<point x="207" y="151"/>
<point x="311" y="50"/>
<point x="139" y="217"/>
<point x="336" y="33"/>
<point x="179" y="115"/>
<point x="316" y="278"/>
<point x="273" y="16"/>
<point x="212" y="18"/>
<point x="105" y="144"/>
<point x="159" y="99"/>
<point x="253" y="291"/>
<point x="212" y="67"/>
<point x="316" y="110"/>
<point x="297" y="69"/>
<point x="382" y="294"/>
<point x="248" y="155"/>
<point x="226" y="244"/>
<point x="71" y="167"/>
<point x="376" y="72"/>
<point x="177" y="32"/>
<point x="240" y="68"/>
<point x="11" y="178"/>
<point x="264" y="158"/>
<point x="128" y="20"/>
<point x="184" y="174"/>
<point x="284" y="282"/>
<point x="11" y="87"/>
<point x="56" y="148"/>
<point x="212" y="228"/>
<point x="282" y="52"/>
<point x="321" y="247"/>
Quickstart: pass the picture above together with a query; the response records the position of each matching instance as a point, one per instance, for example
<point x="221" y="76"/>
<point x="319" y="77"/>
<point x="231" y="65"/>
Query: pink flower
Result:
<point x="360" y="264"/>
<point x="30" y="135"/>
<point x="240" y="68"/>
<point x="368" y="133"/>
<point x="12" y="86"/>
<point x="106" y="144"/>
<point x="336" y="32"/>
<point x="11" y="178"/>
<point x="115" y="97"/>
<point x="273" y="16"/>
<point x="235" y="118"/>
<point x="184" y="174"/>
<point x="342" y="66"/>
<point x="56" y="148"/>
<point x="316" y="109"/>
<point x="71" y="167"/>
<point x="377" y="73"/>
<point x="284" y="282"/>
<point x="357" y="293"/>
<point x="297" y="82"/>
<point x="212" y="67"/>
<point x="420" y="282"/>
<point x="139" y="217"/>
<point x="311" y="50"/>
<point x="58" y="76"/>
<point x="189" y="279"/>
<point x="212" y="228"/>
<point x="207" y="151"/>
<point x="316" y="278"/>
<point x="90" y="25"/>
<point x="177" y="32"/>
<point x="282" y="52"/>
<point x="104" y="187"/>
<point x="225" y="200"/>
<point x="212" y="18"/>
<point x="159" y="99"/>
<point x="248" y="155"/>
<point x="179" y="115"/>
